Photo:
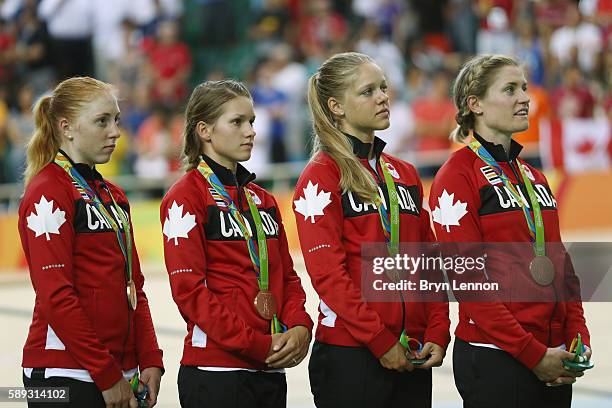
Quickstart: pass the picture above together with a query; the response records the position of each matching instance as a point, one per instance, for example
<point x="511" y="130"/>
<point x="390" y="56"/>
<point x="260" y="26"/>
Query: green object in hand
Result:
<point x="580" y="362"/>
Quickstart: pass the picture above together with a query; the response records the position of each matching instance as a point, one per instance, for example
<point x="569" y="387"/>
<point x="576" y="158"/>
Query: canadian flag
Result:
<point x="576" y="145"/>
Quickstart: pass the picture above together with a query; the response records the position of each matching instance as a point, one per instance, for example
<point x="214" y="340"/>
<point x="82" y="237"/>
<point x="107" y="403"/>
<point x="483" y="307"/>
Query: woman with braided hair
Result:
<point x="506" y="354"/>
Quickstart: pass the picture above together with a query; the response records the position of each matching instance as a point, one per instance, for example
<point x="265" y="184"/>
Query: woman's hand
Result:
<point x="290" y="349"/>
<point x="152" y="378"/>
<point x="433" y="353"/>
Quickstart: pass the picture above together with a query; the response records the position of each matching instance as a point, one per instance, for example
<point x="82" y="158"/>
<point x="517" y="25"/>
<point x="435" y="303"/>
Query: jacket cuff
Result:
<point x="439" y="337"/>
<point x="532" y="353"/>
<point x="151" y="358"/>
<point x="107" y="376"/>
<point x="382" y="342"/>
<point x="300" y="318"/>
<point x="259" y="348"/>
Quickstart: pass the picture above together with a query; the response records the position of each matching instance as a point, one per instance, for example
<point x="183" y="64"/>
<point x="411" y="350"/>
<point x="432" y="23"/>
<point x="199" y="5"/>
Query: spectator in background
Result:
<point x="32" y="51"/>
<point x="3" y="134"/>
<point x="496" y="36"/>
<point x="529" y="51"/>
<point x="462" y="25"/>
<point x="400" y="133"/>
<point x="572" y="99"/>
<point x="157" y="144"/>
<point x="384" y="52"/>
<point x="577" y="42"/>
<point x="137" y="108"/>
<point x="20" y="126"/>
<point x="290" y="77"/>
<point x="108" y="30"/>
<point x="7" y="52"/>
<point x="170" y="64"/>
<point x="70" y="25"/>
<point x="416" y="84"/>
<point x="270" y="26"/>
<point x="267" y="96"/>
<point x="434" y="115"/>
<point x="321" y="31"/>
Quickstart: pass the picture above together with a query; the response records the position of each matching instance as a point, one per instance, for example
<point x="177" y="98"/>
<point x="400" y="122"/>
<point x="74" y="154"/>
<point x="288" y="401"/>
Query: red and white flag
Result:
<point x="576" y="145"/>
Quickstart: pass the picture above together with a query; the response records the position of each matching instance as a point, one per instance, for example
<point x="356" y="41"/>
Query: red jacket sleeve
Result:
<point x="492" y="318"/>
<point x="294" y="298"/>
<point x="186" y="264"/>
<point x="322" y="247"/>
<point x="50" y="262"/>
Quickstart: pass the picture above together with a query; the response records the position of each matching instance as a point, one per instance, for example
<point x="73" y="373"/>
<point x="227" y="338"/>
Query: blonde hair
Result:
<point x="475" y="78"/>
<point x="331" y="81"/>
<point x="64" y="102"/>
<point x="206" y="105"/>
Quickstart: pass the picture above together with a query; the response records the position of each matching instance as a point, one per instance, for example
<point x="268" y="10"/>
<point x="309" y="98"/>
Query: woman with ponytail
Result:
<point x="228" y="262"/>
<point x="360" y="358"/>
<point x="511" y="352"/>
<point x="91" y="330"/>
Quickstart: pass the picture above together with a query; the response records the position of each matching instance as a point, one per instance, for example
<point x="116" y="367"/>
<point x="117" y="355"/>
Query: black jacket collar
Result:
<point x="242" y="176"/>
<point x="497" y="150"/>
<point x="362" y="150"/>
<point x="84" y="170"/>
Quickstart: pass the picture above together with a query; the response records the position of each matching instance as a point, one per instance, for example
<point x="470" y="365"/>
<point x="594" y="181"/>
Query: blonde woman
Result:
<point x="340" y="203"/>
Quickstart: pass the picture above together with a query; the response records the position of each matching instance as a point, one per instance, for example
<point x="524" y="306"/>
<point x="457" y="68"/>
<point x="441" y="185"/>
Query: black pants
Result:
<point x="81" y="393"/>
<point x="488" y="377"/>
<point x="352" y="377"/>
<point x="231" y="389"/>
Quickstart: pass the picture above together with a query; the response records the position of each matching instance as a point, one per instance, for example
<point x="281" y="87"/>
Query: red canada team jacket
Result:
<point x="523" y="329"/>
<point x="331" y="235"/>
<point x="211" y="274"/>
<point x="81" y="314"/>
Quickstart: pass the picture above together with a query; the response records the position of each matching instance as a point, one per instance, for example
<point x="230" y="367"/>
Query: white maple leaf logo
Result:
<point x="45" y="220"/>
<point x="176" y="224"/>
<point x="449" y="213"/>
<point x="313" y="202"/>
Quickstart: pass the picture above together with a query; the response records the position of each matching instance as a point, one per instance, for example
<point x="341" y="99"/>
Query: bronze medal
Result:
<point x="542" y="270"/>
<point x="131" y="294"/>
<point x="265" y="304"/>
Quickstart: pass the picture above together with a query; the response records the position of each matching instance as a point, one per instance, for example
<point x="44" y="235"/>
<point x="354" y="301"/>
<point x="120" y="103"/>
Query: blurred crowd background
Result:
<point x="156" y="51"/>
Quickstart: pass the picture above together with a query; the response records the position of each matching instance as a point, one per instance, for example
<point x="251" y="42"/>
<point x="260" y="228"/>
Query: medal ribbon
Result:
<point x="535" y="224"/>
<point x="85" y="190"/>
<point x="260" y="261"/>
<point x="389" y="217"/>
<point x="389" y="214"/>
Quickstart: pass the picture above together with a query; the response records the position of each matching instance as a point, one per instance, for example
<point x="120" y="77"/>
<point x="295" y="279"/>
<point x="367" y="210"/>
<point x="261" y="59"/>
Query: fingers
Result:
<point x="288" y="361"/>
<point x="565" y="355"/>
<point x="561" y="381"/>
<point x="434" y="360"/>
<point x="280" y="355"/>
<point x="427" y="349"/>
<point x="152" y="397"/>
<point x="133" y="403"/>
<point x="282" y="340"/>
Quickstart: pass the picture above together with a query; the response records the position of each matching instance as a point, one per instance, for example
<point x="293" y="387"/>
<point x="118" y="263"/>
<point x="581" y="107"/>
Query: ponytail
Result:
<point x="45" y="142"/>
